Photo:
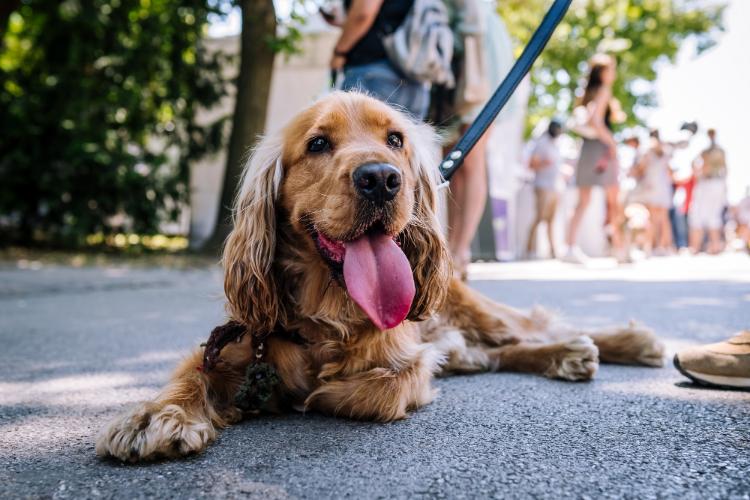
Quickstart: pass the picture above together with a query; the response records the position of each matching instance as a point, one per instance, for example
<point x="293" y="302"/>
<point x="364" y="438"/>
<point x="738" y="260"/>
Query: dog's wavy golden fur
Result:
<point x="301" y="212"/>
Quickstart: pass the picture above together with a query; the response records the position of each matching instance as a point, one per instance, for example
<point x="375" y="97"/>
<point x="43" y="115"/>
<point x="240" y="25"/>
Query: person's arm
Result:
<point x="639" y="168"/>
<point x="698" y="166"/>
<point x="600" y="104"/>
<point x="359" y="20"/>
<point x="537" y="162"/>
<point x="334" y="17"/>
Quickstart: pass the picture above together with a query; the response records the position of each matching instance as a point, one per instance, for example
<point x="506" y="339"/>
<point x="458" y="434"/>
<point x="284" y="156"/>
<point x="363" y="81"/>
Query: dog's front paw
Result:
<point x="576" y="359"/>
<point x="153" y="430"/>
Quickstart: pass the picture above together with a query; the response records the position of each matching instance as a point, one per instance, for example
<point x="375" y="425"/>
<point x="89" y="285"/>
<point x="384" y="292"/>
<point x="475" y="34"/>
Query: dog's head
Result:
<point x="355" y="183"/>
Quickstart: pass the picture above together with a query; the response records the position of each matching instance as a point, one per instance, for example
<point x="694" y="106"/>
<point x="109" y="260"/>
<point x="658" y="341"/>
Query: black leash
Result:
<point x="499" y="99"/>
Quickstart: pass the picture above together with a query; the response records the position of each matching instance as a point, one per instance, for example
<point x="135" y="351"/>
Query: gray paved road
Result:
<point x="78" y="344"/>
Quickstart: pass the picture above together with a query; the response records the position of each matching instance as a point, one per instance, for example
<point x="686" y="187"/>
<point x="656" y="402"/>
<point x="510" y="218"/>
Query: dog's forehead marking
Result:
<point x="342" y="117"/>
<point x="358" y="113"/>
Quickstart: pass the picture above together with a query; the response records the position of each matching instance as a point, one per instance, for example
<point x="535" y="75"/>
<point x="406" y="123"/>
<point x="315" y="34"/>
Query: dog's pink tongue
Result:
<point x="379" y="279"/>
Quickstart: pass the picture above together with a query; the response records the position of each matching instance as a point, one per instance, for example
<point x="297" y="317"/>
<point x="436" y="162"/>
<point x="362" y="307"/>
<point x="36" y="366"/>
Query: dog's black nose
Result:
<point x="377" y="182"/>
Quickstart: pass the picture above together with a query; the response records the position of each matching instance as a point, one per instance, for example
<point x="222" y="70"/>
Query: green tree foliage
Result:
<point x="641" y="34"/>
<point x="98" y="122"/>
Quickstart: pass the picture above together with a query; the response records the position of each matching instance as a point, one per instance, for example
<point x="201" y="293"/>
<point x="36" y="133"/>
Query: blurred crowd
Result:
<point x="658" y="200"/>
<point x="440" y="61"/>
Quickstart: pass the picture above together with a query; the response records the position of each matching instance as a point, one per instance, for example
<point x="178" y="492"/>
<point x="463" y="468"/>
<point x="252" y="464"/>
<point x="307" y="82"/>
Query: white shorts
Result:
<point x="707" y="208"/>
<point x="743" y="212"/>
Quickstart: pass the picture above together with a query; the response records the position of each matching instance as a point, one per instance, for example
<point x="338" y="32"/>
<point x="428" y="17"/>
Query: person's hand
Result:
<point x="337" y="62"/>
<point x="333" y="15"/>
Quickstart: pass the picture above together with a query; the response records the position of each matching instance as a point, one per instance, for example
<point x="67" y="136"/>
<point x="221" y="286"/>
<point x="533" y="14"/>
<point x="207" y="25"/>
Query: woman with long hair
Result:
<point x="597" y="163"/>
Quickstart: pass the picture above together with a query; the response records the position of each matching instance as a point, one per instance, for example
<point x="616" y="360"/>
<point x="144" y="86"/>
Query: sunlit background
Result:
<point x="712" y="88"/>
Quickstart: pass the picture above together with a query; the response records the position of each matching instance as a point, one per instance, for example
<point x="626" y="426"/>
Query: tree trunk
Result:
<point x="249" y="120"/>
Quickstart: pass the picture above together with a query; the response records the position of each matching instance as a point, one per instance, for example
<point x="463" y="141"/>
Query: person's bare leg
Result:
<point x="470" y="195"/>
<point x="696" y="240"/>
<point x="615" y="216"/>
<point x="549" y="218"/>
<point x="584" y="197"/>
<point x="455" y="205"/>
<point x="714" y="241"/>
<point x="538" y="215"/>
<point x="743" y="233"/>
<point x="658" y="226"/>
<point x="650" y="232"/>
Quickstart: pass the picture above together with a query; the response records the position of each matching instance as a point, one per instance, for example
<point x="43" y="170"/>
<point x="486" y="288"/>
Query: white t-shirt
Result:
<point x="546" y="149"/>
<point x="743" y="211"/>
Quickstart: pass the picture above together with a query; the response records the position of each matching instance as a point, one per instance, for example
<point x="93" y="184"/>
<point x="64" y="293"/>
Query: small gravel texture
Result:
<point x="79" y="345"/>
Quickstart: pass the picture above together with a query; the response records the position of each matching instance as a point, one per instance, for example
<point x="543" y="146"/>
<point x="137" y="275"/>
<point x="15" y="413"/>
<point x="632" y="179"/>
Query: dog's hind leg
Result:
<point x="630" y="345"/>
<point x="486" y="322"/>
<point x="575" y="359"/>
<point x="476" y="334"/>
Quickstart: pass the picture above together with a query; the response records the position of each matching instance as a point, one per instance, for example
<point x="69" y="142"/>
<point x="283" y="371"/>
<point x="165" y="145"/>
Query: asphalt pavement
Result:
<point x="78" y="345"/>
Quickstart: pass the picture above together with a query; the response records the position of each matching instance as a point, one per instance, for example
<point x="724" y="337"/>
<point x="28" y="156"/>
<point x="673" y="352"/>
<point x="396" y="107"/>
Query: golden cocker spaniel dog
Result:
<point x="337" y="262"/>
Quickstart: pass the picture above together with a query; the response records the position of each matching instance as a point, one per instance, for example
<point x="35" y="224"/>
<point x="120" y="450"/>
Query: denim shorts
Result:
<point x="383" y="81"/>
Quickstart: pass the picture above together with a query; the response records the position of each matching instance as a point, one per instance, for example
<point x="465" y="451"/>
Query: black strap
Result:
<point x="499" y="99"/>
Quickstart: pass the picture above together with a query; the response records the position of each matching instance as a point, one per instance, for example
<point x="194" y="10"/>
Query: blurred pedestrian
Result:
<point x="360" y="53"/>
<point x="656" y="193"/>
<point x="742" y="218"/>
<point x="483" y="55"/>
<point x="596" y="113"/>
<point x="682" y="172"/>
<point x="545" y="161"/>
<point x="709" y="198"/>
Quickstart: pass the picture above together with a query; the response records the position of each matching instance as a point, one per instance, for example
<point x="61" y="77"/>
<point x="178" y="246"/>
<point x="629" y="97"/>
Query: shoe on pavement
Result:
<point x="575" y="255"/>
<point x="725" y="365"/>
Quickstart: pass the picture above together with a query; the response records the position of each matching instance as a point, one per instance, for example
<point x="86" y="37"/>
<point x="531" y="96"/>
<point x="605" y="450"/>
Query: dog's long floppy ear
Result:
<point x="249" y="282"/>
<point x="423" y="241"/>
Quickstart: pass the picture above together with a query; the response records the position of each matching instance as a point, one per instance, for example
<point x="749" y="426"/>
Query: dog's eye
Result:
<point x="395" y="140"/>
<point x="318" y="145"/>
